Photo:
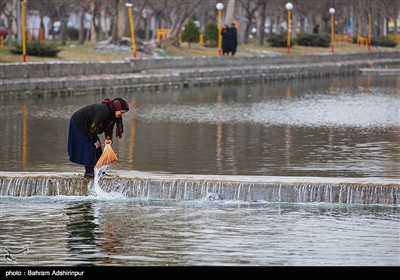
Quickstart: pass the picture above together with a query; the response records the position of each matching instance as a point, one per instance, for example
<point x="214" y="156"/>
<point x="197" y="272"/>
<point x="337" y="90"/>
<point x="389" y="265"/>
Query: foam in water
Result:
<point x="96" y="189"/>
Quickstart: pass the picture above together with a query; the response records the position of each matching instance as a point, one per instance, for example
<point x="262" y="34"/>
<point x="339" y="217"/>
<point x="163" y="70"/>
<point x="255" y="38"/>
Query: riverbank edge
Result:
<point x="31" y="80"/>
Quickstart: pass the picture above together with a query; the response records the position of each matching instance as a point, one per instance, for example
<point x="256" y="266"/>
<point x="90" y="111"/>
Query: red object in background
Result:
<point x="3" y="32"/>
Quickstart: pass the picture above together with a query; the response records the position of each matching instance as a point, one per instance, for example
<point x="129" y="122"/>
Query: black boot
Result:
<point x="89" y="173"/>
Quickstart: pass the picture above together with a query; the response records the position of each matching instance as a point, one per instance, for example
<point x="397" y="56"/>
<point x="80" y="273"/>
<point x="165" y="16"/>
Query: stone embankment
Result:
<point x="26" y="80"/>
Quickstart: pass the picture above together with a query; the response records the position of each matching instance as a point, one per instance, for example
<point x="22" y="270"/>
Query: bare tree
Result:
<point x="81" y="37"/>
<point x="43" y="8"/>
<point x="278" y="14"/>
<point x="181" y="12"/>
<point x="7" y="8"/>
<point x="114" y="33"/>
<point x="230" y="11"/>
<point x="251" y="8"/>
<point x="62" y="12"/>
<point x="261" y="22"/>
<point x="123" y="26"/>
<point x="150" y="15"/>
<point x="94" y="26"/>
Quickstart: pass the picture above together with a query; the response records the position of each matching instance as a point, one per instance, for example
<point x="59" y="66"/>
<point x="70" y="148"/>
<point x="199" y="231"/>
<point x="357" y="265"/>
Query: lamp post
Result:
<point x="129" y="6"/>
<point x="289" y="7"/>
<point x="23" y="31"/>
<point x="219" y="7"/>
<point x="332" y="12"/>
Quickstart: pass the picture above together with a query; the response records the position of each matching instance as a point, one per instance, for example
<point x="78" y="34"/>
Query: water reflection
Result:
<point x="87" y="231"/>
<point x="329" y="127"/>
<point x="90" y="236"/>
<point x="80" y="228"/>
<point x="339" y="127"/>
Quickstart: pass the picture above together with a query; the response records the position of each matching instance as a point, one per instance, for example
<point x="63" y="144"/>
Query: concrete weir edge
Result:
<point x="133" y="184"/>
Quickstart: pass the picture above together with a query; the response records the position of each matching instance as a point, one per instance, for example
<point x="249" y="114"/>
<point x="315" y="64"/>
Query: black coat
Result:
<point x="229" y="40"/>
<point x="226" y="47"/>
<point x="94" y="119"/>
<point x="233" y="39"/>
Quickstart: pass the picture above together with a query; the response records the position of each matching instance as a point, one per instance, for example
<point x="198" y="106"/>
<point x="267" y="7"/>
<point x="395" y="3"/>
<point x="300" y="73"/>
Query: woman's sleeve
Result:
<point x="109" y="130"/>
<point x="96" y="127"/>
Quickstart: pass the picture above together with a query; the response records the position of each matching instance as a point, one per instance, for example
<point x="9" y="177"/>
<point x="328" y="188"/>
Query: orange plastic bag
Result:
<point x="107" y="157"/>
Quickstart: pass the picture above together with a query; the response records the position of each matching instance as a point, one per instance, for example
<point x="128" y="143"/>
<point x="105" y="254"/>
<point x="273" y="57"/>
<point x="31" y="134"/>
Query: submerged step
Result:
<point x="194" y="187"/>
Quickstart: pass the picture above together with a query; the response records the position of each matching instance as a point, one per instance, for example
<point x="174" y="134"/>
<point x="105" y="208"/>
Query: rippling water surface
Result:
<point x="328" y="127"/>
<point x="126" y="232"/>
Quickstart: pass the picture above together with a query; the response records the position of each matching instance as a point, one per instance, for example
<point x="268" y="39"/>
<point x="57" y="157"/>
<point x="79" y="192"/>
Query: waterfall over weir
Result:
<point x="213" y="187"/>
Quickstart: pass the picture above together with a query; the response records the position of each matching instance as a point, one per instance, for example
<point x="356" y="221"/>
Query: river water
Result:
<point x="338" y="127"/>
<point x="325" y="127"/>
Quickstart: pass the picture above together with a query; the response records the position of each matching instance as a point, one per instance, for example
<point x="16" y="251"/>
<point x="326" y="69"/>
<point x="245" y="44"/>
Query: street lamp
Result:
<point x="23" y="31"/>
<point x="129" y="6"/>
<point x="289" y="7"/>
<point x="332" y="12"/>
<point x="219" y="7"/>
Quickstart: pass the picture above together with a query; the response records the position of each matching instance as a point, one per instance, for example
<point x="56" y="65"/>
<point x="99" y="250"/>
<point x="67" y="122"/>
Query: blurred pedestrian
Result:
<point x="316" y="29"/>
<point x="233" y="39"/>
<point x="225" y="40"/>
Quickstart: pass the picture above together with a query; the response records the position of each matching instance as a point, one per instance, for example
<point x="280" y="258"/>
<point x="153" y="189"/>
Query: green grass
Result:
<point x="71" y="52"/>
<point x="89" y="53"/>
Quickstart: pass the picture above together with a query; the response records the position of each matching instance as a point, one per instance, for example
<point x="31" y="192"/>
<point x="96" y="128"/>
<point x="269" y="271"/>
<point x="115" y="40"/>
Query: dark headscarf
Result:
<point x="117" y="104"/>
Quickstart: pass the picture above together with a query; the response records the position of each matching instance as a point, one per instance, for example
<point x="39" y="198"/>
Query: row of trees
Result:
<point x="150" y="15"/>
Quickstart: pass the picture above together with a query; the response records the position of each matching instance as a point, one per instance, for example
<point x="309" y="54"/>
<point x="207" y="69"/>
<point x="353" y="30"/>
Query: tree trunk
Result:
<point x="123" y="20"/>
<point x="114" y="32"/>
<point x="93" y="33"/>
<point x="9" y="31"/>
<point x="63" y="29"/>
<point x="246" y="33"/>
<point x="183" y="12"/>
<point x="230" y="11"/>
<point x="261" y="24"/>
<point x="293" y="22"/>
<point x="63" y="20"/>
<point x="82" y="27"/>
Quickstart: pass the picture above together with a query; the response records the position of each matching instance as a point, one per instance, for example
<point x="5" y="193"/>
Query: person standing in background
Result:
<point x="233" y="39"/>
<point x="316" y="29"/>
<point x="225" y="40"/>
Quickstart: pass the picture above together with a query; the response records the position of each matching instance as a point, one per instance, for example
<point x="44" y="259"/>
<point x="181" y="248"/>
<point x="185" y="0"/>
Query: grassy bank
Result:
<point x="93" y="53"/>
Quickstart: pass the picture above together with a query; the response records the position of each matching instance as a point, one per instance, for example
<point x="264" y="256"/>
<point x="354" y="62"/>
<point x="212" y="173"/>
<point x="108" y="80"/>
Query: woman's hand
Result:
<point x="97" y="144"/>
<point x="108" y="141"/>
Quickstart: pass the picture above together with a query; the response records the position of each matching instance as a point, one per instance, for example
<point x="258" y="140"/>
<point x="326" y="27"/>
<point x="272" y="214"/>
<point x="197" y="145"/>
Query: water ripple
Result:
<point x="362" y="110"/>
